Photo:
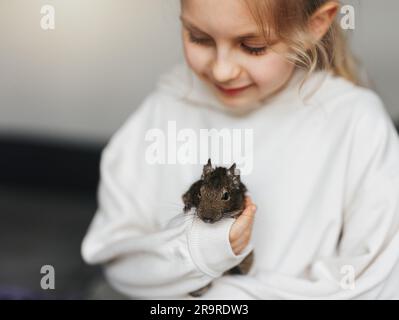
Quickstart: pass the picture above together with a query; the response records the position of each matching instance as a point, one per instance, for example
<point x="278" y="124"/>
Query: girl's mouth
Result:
<point x="234" y="91"/>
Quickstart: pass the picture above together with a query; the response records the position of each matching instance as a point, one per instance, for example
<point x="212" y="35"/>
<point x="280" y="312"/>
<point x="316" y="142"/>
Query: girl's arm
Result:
<point x="141" y="258"/>
<point x="370" y="239"/>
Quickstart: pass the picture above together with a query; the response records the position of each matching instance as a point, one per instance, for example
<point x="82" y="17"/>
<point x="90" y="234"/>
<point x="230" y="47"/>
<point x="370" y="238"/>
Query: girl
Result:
<point x="321" y="164"/>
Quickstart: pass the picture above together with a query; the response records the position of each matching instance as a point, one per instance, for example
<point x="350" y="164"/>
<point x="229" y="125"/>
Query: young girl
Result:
<point x="321" y="167"/>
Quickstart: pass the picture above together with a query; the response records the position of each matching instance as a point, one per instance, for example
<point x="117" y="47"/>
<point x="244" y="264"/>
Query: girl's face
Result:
<point x="224" y="48"/>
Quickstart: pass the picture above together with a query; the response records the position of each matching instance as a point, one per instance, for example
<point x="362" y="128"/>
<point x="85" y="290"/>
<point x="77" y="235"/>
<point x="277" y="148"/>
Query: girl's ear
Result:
<point x="322" y="18"/>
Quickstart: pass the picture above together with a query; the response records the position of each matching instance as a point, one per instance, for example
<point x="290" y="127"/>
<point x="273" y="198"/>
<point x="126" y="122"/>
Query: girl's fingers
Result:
<point x="243" y="223"/>
<point x="250" y="207"/>
<point x="248" y="201"/>
<point x="248" y="214"/>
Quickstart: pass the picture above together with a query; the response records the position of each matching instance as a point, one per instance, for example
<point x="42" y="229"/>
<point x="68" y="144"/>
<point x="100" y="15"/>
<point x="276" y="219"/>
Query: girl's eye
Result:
<point x="198" y="40"/>
<point x="254" y="50"/>
<point x="225" y="196"/>
<point x="251" y="50"/>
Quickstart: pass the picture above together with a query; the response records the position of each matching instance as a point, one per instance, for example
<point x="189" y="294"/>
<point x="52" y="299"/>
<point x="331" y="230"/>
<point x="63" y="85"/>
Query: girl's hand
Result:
<point x="241" y="230"/>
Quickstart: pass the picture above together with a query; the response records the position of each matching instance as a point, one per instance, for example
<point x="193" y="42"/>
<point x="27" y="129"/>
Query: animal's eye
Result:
<point x="199" y="194"/>
<point x="225" y="196"/>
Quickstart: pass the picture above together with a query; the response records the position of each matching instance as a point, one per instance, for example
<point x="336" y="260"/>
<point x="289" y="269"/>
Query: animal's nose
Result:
<point x="209" y="220"/>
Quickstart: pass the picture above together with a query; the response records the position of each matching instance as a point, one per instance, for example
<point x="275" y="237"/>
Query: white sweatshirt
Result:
<point x="324" y="177"/>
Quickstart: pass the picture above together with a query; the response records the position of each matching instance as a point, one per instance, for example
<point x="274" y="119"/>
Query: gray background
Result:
<point x="80" y="81"/>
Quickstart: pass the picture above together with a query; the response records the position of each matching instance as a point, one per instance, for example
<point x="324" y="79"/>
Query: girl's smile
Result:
<point x="233" y="91"/>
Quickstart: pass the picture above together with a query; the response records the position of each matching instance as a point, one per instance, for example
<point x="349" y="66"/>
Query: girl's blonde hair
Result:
<point x="288" y="20"/>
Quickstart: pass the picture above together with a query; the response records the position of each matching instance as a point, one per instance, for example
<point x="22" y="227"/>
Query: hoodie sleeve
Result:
<point x="141" y="258"/>
<point x="366" y="264"/>
<point x="370" y="237"/>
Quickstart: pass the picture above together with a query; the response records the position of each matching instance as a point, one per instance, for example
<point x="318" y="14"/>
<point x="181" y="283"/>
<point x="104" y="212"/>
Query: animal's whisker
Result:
<point x="171" y="205"/>
<point x="190" y="214"/>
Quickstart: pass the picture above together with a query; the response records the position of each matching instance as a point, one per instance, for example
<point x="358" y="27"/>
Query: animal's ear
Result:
<point x="235" y="176"/>
<point x="207" y="169"/>
<point x="233" y="171"/>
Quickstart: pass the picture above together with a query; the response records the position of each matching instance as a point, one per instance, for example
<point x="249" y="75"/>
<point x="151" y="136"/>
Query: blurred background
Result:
<point x="65" y="91"/>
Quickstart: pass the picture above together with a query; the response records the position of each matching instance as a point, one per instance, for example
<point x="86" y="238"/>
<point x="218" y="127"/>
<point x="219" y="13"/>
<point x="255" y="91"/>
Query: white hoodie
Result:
<point x="324" y="174"/>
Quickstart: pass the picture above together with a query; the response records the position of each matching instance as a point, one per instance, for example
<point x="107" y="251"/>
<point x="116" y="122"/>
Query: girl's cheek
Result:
<point x="274" y="69"/>
<point x="196" y="58"/>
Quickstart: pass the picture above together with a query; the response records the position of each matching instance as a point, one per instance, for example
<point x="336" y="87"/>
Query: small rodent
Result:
<point x="218" y="194"/>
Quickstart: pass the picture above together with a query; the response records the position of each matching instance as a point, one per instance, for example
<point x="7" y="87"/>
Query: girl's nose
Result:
<point x="225" y="70"/>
